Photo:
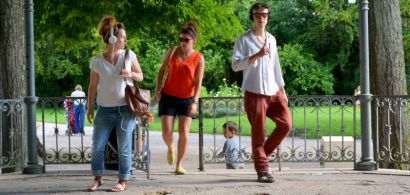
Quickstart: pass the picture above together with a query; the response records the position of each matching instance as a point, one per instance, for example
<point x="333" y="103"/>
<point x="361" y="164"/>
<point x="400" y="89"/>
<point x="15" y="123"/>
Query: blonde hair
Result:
<point x="78" y="87"/>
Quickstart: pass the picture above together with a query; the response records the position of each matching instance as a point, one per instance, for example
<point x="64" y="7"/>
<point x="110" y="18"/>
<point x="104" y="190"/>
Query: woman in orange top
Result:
<point x="180" y="93"/>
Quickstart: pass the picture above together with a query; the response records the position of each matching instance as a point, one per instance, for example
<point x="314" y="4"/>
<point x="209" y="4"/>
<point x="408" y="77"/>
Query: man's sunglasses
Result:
<point x="258" y="15"/>
<point x="186" y="40"/>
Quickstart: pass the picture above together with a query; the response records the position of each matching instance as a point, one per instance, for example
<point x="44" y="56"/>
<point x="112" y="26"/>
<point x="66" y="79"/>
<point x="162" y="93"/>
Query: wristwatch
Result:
<point x="195" y="101"/>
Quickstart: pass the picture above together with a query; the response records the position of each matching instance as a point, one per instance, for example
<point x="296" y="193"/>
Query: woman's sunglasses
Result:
<point x="186" y="40"/>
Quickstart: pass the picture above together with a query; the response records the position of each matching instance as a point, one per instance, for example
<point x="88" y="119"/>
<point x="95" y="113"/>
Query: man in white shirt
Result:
<point x="79" y="109"/>
<point x="255" y="53"/>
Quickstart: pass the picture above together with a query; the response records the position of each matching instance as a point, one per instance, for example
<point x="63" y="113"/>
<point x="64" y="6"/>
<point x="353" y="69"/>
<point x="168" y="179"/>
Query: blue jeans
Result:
<point x="79" y="118"/>
<point x="105" y="120"/>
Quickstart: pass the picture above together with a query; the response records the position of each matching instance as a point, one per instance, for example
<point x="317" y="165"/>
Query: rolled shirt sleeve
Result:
<point x="239" y="59"/>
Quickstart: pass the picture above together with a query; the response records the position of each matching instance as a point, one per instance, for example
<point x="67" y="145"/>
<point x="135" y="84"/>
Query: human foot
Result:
<point x="170" y="157"/>
<point x="119" y="187"/>
<point x="180" y="171"/>
<point x="265" y="177"/>
<point x="97" y="183"/>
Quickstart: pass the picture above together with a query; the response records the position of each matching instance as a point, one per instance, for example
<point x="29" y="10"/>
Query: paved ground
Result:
<point x="294" y="178"/>
<point x="217" y="181"/>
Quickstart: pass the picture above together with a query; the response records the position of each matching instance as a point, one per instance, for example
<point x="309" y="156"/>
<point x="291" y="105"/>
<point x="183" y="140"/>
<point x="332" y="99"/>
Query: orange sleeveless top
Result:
<point x="181" y="77"/>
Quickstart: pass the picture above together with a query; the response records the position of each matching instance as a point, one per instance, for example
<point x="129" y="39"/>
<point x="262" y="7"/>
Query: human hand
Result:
<point x="285" y="96"/>
<point x="193" y="109"/>
<point x="264" y="51"/>
<point x="157" y="97"/>
<point x="125" y="73"/>
<point x="90" y="115"/>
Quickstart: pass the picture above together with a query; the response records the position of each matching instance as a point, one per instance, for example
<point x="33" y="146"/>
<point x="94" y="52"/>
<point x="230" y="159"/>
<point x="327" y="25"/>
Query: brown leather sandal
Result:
<point x="119" y="187"/>
<point x="95" y="185"/>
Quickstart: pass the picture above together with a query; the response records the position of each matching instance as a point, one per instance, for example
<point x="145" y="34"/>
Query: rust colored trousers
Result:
<point x="258" y="107"/>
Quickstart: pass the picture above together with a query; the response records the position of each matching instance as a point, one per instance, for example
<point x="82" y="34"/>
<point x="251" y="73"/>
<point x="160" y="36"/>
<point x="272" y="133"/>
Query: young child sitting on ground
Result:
<point x="231" y="147"/>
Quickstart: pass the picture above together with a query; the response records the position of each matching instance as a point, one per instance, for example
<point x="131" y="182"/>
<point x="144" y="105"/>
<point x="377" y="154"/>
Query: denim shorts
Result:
<point x="173" y="106"/>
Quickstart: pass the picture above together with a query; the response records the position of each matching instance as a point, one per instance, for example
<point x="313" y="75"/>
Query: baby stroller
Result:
<point x="69" y="115"/>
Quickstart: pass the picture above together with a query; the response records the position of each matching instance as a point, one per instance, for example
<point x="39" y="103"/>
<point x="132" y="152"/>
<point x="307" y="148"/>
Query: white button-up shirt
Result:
<point x="264" y="76"/>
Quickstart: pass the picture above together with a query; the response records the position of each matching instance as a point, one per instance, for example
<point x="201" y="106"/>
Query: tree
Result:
<point x="328" y="29"/>
<point x="405" y="16"/>
<point x="387" y="71"/>
<point x="304" y="75"/>
<point x="12" y="66"/>
<point x="63" y="56"/>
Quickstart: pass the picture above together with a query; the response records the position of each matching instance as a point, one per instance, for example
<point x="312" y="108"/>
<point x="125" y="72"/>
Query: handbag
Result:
<point x="137" y="99"/>
<point x="166" y="71"/>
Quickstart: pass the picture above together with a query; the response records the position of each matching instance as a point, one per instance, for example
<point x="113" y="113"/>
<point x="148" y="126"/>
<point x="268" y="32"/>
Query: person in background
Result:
<point x="69" y="115"/>
<point x="231" y="148"/>
<point x="180" y="92"/>
<point x="255" y="53"/>
<point x="356" y="94"/>
<point x="79" y="109"/>
<point x="108" y="79"/>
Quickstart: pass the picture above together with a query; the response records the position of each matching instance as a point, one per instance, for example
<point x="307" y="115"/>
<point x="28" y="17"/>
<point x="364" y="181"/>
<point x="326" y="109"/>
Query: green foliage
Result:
<point x="405" y="15"/>
<point x="150" y="58"/>
<point x="322" y="34"/>
<point x="67" y="38"/>
<point x="215" y="68"/>
<point x="328" y="29"/>
<point x="304" y="126"/>
<point x="226" y="90"/>
<point x="304" y="75"/>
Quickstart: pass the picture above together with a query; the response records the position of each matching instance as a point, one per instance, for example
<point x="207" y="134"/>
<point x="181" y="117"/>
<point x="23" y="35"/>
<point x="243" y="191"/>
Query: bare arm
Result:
<point x="135" y="73"/>
<point x="165" y="63"/>
<point x="199" y="74"/>
<point x="92" y="91"/>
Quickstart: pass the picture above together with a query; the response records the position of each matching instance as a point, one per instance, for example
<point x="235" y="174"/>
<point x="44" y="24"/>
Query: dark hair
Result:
<point x="105" y="25"/>
<point x="231" y="126"/>
<point x="257" y="6"/>
<point x="191" y="29"/>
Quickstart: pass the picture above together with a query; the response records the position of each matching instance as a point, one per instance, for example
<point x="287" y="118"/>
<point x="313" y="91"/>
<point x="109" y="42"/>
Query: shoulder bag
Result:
<point x="166" y="71"/>
<point x="137" y="99"/>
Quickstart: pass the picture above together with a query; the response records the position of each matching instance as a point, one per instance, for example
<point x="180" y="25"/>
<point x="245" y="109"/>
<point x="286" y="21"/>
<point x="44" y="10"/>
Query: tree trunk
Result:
<point x="12" y="66"/>
<point x="387" y="76"/>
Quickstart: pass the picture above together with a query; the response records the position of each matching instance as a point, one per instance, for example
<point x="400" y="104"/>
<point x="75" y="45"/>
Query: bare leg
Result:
<point x="183" y="130"/>
<point x="167" y="130"/>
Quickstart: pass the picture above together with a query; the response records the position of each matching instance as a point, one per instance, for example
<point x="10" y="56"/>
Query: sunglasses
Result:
<point x="186" y="40"/>
<point x="258" y="15"/>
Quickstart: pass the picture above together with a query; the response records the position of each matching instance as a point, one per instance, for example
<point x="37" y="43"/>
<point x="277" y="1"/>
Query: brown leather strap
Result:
<point x="166" y="71"/>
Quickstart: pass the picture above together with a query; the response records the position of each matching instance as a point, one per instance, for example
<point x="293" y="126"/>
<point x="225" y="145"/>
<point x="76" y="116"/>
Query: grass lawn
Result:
<point x="315" y="120"/>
